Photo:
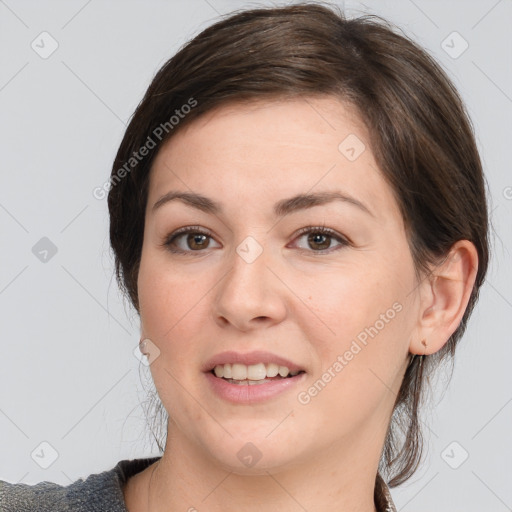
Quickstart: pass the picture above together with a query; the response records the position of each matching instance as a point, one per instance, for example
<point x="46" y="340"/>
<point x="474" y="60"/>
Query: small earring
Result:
<point x="142" y="346"/>
<point x="424" y="343"/>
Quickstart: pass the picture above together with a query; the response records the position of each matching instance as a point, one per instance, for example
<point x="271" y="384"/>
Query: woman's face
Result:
<point x="256" y="273"/>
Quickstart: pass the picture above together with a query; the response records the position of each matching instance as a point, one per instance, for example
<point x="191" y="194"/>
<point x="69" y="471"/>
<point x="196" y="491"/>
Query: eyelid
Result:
<point x="321" y="229"/>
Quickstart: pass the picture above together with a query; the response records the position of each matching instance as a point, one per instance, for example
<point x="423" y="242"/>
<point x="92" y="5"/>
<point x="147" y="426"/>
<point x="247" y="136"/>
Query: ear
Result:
<point x="444" y="294"/>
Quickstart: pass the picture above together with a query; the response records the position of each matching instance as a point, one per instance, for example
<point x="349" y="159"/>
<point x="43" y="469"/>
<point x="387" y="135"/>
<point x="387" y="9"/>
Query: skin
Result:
<point x="293" y="300"/>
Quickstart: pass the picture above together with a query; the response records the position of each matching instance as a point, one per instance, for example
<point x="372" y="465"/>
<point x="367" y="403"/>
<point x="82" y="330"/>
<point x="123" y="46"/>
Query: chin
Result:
<point x="255" y="453"/>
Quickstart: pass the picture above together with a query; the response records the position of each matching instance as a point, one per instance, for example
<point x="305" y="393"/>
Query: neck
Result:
<point x="188" y="479"/>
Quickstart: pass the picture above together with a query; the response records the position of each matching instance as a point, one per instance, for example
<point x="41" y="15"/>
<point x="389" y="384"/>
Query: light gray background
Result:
<point x="68" y="374"/>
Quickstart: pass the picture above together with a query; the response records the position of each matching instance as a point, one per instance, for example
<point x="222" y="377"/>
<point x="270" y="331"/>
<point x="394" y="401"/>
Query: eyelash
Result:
<point x="343" y="242"/>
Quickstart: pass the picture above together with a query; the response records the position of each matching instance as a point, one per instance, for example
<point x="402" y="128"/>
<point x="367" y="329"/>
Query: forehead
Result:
<point x="249" y="153"/>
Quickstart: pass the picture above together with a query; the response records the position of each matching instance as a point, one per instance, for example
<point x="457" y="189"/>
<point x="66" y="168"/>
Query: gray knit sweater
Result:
<point x="103" y="492"/>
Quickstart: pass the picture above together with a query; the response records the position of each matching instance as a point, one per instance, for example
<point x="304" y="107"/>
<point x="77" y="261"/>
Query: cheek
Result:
<point x="364" y="314"/>
<point x="172" y="317"/>
<point x="360" y="362"/>
<point x="348" y="300"/>
<point x="174" y="310"/>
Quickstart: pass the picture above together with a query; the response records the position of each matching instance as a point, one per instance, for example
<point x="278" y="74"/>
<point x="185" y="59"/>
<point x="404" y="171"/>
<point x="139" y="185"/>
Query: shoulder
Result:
<point x="96" y="493"/>
<point x="44" y="496"/>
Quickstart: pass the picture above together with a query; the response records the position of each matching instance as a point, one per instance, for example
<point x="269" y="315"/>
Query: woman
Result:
<point x="298" y="215"/>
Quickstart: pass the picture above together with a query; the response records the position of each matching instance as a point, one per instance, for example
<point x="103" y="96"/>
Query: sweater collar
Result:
<point x="382" y="496"/>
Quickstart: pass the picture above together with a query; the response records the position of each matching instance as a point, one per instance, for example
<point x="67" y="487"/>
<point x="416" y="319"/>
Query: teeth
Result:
<point x="253" y="372"/>
<point x="283" y="371"/>
<point x="256" y="371"/>
<point x="239" y="372"/>
<point x="272" y="370"/>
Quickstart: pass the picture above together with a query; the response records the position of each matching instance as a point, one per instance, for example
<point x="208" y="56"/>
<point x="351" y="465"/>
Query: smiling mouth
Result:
<point x="250" y="375"/>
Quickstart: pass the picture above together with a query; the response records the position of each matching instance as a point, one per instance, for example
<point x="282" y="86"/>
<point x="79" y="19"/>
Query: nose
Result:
<point x="250" y="295"/>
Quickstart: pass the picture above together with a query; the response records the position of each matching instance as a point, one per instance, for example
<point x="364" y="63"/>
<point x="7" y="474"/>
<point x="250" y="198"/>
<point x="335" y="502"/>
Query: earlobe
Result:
<point x="445" y="294"/>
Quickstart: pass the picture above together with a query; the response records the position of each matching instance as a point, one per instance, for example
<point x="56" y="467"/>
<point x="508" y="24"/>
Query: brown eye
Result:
<point x="319" y="240"/>
<point x="188" y="240"/>
<point x="197" y="241"/>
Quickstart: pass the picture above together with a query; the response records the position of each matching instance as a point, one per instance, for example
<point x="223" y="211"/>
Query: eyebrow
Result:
<point x="281" y="208"/>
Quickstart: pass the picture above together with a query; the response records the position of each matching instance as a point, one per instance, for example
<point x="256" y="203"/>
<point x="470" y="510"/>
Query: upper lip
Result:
<point x="249" y="358"/>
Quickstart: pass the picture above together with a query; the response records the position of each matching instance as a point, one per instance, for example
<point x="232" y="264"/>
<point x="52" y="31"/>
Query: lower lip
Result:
<point x="249" y="394"/>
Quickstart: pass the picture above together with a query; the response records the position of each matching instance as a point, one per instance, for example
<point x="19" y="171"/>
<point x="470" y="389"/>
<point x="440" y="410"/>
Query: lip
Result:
<point x="249" y="358"/>
<point x="246" y="394"/>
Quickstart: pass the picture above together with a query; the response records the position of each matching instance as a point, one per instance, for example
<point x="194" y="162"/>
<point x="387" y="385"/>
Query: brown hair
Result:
<point x="420" y="134"/>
